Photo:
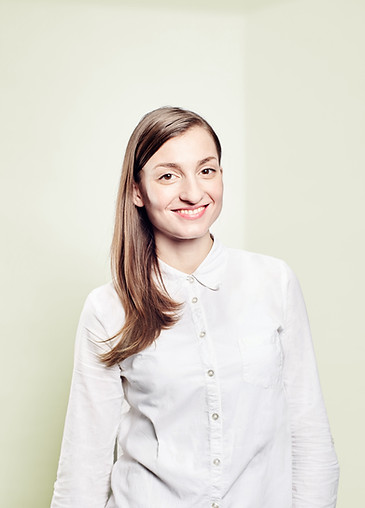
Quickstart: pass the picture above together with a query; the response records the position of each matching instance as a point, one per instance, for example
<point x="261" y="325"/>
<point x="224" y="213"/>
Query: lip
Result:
<point x="191" y="213"/>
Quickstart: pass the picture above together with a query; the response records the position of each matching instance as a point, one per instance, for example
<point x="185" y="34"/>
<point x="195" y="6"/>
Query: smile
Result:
<point x="191" y="213"/>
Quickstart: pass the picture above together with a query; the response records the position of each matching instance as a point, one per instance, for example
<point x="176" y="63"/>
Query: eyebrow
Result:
<point x="177" y="166"/>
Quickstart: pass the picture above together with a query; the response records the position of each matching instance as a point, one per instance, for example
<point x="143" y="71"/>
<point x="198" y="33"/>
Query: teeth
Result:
<point x="191" y="212"/>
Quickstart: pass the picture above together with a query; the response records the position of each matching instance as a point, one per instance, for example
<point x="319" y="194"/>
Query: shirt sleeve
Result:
<point x="92" y="420"/>
<point x="314" y="461"/>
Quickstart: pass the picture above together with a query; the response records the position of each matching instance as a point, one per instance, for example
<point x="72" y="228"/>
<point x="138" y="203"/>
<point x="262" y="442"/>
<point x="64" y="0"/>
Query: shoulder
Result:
<point x="255" y="262"/>
<point x="261" y="272"/>
<point x="104" y="305"/>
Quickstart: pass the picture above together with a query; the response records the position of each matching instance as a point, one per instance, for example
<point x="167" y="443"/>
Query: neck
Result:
<point x="184" y="255"/>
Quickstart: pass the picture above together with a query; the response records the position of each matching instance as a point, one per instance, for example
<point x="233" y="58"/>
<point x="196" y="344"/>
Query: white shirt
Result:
<point x="225" y="408"/>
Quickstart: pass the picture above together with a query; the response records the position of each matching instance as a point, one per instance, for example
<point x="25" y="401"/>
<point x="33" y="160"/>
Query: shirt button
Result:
<point x="216" y="462"/>
<point x="202" y="334"/>
<point x="190" y="278"/>
<point x="194" y="300"/>
<point x="210" y="373"/>
<point x="215" y="505"/>
<point x="215" y="416"/>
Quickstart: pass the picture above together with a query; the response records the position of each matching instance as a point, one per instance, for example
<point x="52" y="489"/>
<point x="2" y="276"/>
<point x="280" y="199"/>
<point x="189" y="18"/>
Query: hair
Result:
<point x="135" y="270"/>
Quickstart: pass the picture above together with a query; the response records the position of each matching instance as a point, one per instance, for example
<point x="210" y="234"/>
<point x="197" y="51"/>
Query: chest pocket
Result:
<point x="262" y="359"/>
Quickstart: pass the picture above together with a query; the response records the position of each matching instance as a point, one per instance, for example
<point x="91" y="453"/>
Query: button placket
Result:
<point x="213" y="400"/>
<point x="208" y="361"/>
<point x="195" y="306"/>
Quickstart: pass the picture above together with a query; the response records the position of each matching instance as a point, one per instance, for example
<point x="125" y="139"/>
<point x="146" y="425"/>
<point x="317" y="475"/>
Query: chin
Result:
<point x="192" y="236"/>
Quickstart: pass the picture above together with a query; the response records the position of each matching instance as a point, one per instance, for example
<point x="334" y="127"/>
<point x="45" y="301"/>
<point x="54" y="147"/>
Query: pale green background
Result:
<point x="283" y="83"/>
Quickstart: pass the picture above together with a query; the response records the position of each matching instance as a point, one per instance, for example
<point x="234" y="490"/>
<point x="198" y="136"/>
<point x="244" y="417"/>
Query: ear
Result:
<point x="137" y="195"/>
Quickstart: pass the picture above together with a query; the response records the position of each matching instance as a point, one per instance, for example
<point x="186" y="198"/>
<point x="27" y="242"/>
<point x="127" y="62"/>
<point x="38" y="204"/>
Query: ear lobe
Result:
<point x="137" y="196"/>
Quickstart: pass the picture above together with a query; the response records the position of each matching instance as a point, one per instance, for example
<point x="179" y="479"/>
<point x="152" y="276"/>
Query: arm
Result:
<point x="315" y="466"/>
<point x="92" y="421"/>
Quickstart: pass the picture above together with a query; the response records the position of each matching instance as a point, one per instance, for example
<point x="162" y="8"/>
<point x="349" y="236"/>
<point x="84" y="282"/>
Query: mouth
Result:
<point x="191" y="213"/>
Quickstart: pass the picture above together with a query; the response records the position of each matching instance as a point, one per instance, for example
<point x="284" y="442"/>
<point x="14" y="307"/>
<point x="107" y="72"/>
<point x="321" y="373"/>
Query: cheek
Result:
<point x="217" y="191"/>
<point x="155" y="200"/>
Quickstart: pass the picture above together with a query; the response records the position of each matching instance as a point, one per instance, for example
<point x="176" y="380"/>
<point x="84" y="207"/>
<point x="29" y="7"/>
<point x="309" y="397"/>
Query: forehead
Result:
<point x="194" y="145"/>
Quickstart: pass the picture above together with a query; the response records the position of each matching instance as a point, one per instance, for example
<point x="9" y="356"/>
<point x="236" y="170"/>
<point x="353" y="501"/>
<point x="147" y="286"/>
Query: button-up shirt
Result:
<point x="223" y="410"/>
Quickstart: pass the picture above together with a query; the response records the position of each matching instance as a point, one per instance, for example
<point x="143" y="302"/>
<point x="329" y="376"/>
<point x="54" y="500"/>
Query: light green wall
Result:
<point x="282" y="81"/>
<point x="305" y="189"/>
<point x="76" y="78"/>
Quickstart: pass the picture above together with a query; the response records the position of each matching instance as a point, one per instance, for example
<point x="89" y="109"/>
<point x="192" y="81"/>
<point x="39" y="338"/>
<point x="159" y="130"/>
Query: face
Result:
<point x="181" y="187"/>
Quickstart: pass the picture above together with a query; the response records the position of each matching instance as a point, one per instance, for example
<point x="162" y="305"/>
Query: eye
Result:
<point x="208" y="171"/>
<point x="167" y="177"/>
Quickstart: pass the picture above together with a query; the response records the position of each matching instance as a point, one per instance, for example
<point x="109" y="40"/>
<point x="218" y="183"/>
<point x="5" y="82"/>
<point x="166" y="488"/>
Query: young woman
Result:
<point x="197" y="358"/>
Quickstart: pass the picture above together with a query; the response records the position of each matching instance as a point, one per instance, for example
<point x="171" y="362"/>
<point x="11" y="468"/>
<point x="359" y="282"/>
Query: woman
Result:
<point x="209" y="347"/>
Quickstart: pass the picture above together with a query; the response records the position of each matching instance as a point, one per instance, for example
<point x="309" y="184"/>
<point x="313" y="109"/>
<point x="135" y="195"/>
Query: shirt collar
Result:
<point x="209" y="273"/>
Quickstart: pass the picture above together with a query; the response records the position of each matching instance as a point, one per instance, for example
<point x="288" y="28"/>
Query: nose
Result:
<point x="191" y="191"/>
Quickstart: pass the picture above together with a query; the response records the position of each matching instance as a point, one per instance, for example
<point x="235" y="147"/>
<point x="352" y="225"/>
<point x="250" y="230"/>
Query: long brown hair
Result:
<point x="135" y="270"/>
